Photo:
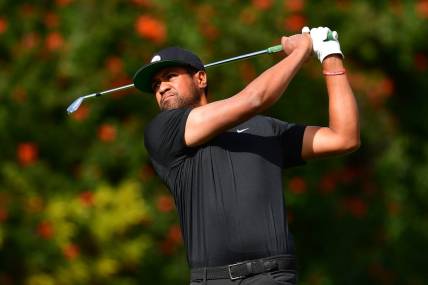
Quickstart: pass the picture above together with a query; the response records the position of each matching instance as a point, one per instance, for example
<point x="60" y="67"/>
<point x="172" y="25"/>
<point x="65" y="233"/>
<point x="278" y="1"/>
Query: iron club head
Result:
<point x="75" y="105"/>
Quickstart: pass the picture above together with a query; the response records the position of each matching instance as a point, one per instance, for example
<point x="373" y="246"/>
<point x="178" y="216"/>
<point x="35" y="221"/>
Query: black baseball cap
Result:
<point x="172" y="56"/>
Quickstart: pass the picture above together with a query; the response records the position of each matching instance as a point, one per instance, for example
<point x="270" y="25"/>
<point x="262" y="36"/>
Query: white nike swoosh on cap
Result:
<point x="242" y="130"/>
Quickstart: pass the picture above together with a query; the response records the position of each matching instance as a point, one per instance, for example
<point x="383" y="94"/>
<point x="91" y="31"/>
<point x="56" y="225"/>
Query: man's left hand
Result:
<point x="322" y="46"/>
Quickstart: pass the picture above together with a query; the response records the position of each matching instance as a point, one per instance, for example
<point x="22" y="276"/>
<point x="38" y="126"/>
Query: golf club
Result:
<point x="274" y="49"/>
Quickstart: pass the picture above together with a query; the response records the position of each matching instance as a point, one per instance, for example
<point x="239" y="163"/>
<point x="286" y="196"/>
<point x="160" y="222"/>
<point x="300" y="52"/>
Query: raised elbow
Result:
<point x="351" y="145"/>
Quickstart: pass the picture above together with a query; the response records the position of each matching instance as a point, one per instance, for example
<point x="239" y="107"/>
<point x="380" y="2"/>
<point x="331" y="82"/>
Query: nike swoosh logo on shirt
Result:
<point x="241" y="131"/>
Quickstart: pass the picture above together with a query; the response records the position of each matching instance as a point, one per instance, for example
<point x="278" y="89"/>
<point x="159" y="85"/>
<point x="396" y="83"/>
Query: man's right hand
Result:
<point x="299" y="42"/>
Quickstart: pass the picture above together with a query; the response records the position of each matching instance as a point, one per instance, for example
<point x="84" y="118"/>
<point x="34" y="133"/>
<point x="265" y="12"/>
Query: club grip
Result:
<point x="274" y="49"/>
<point x="330" y="37"/>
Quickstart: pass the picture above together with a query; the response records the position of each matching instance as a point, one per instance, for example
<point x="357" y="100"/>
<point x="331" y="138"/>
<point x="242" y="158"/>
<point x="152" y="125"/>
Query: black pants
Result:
<point x="279" y="277"/>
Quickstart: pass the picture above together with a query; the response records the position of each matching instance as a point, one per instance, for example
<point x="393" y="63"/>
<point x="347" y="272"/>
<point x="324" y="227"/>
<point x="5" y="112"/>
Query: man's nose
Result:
<point x="164" y="87"/>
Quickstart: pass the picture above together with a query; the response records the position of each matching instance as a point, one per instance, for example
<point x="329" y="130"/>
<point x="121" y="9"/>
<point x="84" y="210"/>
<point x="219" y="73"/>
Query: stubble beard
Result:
<point x="176" y="101"/>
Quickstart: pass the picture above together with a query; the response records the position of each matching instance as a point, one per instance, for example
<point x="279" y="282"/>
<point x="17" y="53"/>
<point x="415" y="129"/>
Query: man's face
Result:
<point x="175" y="87"/>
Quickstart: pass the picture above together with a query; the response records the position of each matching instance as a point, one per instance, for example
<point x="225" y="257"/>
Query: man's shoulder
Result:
<point x="164" y="136"/>
<point x="165" y="118"/>
<point x="168" y="114"/>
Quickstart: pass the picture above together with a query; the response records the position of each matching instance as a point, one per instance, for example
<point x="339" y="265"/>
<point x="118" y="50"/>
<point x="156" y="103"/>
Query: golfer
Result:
<point x="223" y="163"/>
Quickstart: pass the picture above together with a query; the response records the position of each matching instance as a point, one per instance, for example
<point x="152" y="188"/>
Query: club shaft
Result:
<point x="73" y="107"/>
<point x="114" y="89"/>
<point x="240" y="57"/>
<point x="273" y="49"/>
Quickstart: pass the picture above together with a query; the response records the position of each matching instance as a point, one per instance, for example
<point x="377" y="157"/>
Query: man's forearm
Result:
<point x="208" y="120"/>
<point x="267" y="88"/>
<point x="343" y="110"/>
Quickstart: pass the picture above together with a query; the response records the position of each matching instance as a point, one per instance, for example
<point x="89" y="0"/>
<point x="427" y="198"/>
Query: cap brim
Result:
<point x="143" y="77"/>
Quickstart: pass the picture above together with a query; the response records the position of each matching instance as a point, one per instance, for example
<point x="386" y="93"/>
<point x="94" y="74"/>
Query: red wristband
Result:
<point x="331" y="73"/>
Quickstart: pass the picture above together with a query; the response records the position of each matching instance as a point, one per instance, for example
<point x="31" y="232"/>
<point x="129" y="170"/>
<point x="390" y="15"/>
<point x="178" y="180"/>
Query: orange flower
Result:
<point x="421" y="62"/>
<point x="107" y="133"/>
<point x="422" y="8"/>
<point x="63" y="2"/>
<point x="262" y="4"/>
<point x="34" y="205"/>
<point x="294" y="5"/>
<point x="86" y="198"/>
<point x="343" y="4"/>
<point x="356" y="206"/>
<point x="172" y="241"/>
<point x="396" y="7"/>
<point x="81" y="113"/>
<point x="248" y="16"/>
<point x="174" y="234"/>
<point x="4" y="199"/>
<point x="295" y="23"/>
<point x="147" y="172"/>
<point x="114" y="65"/>
<point x="3" y="25"/>
<point x="145" y="3"/>
<point x="204" y="13"/>
<point x="27" y="10"/>
<point x="209" y="31"/>
<point x="165" y="203"/>
<point x="71" y="251"/>
<point x="387" y="86"/>
<point x="19" y="95"/>
<point x="150" y="28"/>
<point x="30" y="40"/>
<point x="3" y="215"/>
<point x="381" y="90"/>
<point x="123" y="79"/>
<point x="358" y="81"/>
<point x="51" y="20"/>
<point x="328" y="183"/>
<point x="54" y="41"/>
<point x="27" y="153"/>
<point x="167" y="247"/>
<point x="45" y="230"/>
<point x="297" y="185"/>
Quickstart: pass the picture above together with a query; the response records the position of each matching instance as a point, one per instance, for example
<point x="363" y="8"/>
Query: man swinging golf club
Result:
<point x="223" y="162"/>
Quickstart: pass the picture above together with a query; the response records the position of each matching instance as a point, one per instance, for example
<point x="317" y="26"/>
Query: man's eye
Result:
<point x="170" y="75"/>
<point x="155" y="85"/>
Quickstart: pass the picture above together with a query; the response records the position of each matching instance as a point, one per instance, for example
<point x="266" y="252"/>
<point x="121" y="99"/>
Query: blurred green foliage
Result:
<point x="79" y="202"/>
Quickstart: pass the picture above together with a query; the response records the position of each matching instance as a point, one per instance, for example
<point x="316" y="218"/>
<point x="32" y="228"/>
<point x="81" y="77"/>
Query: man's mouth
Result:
<point x="167" y="96"/>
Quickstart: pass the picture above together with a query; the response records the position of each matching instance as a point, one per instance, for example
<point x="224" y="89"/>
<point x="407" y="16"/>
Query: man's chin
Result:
<point x="173" y="104"/>
<point x="169" y="106"/>
<point x="176" y="103"/>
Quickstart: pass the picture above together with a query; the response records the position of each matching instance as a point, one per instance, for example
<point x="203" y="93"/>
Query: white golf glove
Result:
<point x="323" y="47"/>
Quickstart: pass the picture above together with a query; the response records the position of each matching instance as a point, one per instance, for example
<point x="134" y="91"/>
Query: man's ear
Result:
<point x="201" y="79"/>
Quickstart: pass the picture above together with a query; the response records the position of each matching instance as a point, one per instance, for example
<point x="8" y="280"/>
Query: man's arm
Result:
<point x="207" y="121"/>
<point x="343" y="133"/>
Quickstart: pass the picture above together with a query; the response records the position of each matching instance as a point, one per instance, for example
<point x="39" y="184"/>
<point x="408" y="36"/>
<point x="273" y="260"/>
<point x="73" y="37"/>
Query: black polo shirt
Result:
<point x="229" y="191"/>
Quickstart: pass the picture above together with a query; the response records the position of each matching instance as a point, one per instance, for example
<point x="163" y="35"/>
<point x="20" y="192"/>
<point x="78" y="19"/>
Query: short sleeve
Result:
<point x="291" y="139"/>
<point x="164" y="137"/>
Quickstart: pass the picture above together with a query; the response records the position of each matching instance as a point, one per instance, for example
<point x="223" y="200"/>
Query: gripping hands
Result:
<point x="323" y="44"/>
